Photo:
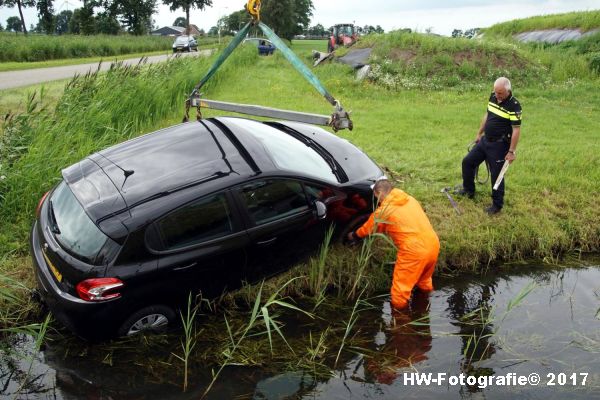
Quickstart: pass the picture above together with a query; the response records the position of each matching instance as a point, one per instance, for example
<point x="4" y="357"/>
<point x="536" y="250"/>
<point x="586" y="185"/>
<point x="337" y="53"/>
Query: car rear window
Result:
<point x="287" y="152"/>
<point x="76" y="233"/>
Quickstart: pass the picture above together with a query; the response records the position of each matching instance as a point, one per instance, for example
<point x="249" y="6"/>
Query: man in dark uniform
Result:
<point x="502" y="127"/>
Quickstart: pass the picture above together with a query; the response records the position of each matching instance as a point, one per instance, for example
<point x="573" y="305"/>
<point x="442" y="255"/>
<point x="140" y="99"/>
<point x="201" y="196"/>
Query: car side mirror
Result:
<point x="321" y="209"/>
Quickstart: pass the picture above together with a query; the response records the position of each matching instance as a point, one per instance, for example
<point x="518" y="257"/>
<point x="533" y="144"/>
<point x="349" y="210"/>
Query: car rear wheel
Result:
<point x="149" y="319"/>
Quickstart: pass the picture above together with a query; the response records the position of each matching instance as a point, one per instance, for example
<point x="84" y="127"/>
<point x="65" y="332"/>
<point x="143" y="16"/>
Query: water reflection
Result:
<point x="406" y="340"/>
<point x="463" y="327"/>
<point x="473" y="313"/>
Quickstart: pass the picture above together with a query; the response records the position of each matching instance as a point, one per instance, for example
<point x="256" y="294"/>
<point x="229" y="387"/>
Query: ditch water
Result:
<point x="502" y="327"/>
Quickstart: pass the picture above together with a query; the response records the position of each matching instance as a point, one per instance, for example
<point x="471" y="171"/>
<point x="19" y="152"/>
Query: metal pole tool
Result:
<point x="501" y="176"/>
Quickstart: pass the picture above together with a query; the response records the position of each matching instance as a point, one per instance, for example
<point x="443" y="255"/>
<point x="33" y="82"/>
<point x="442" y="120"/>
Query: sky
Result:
<point x="441" y="16"/>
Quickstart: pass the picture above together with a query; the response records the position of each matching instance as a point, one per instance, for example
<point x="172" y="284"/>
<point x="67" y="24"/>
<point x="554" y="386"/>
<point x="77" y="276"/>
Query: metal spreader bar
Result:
<point x="260" y="111"/>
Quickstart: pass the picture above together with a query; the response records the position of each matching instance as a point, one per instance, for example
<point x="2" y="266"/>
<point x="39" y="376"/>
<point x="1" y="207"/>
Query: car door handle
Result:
<point x="185" y="267"/>
<point x="267" y="242"/>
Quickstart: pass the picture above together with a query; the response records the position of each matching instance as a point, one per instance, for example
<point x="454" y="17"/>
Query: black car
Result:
<point x="200" y="207"/>
<point x="264" y="46"/>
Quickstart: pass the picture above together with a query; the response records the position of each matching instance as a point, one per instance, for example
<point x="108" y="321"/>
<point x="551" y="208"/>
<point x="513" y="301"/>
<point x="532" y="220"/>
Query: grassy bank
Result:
<point x="31" y="48"/>
<point x="404" y="60"/>
<point x="420" y="136"/>
<point x="585" y="21"/>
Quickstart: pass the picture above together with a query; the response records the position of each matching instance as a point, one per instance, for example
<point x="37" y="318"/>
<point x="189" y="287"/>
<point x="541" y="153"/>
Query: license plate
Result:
<point x="55" y="272"/>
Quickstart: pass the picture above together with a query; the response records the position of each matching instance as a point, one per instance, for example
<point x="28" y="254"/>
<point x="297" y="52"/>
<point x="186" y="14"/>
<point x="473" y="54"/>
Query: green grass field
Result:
<point x="420" y="136"/>
<point x="586" y="21"/>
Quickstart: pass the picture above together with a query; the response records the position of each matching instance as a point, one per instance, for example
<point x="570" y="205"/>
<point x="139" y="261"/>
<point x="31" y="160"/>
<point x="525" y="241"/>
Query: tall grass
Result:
<point x="188" y="343"/>
<point x="584" y="20"/>
<point x="48" y="47"/>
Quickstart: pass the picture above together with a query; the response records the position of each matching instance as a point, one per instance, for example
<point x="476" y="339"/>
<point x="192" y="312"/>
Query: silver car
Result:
<point x="185" y="43"/>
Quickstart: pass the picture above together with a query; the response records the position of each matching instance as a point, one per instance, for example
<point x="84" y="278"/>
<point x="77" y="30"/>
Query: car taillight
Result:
<point x="99" y="289"/>
<point x="39" y="207"/>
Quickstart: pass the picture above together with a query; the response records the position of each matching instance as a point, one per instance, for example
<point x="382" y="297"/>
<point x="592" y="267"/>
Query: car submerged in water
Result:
<point x="121" y="242"/>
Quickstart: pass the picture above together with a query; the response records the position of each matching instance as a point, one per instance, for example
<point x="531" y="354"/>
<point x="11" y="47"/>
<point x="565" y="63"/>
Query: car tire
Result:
<point x="351" y="227"/>
<point x="156" y="318"/>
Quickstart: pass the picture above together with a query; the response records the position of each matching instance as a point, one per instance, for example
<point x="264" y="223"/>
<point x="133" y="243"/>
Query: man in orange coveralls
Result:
<point x="401" y="217"/>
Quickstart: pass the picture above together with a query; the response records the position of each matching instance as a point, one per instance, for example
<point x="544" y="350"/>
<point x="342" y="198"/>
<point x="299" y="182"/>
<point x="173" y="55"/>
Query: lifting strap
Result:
<point x="339" y="119"/>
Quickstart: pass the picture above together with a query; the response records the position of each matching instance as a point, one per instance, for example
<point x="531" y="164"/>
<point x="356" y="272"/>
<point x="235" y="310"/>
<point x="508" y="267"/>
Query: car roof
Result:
<point x="114" y="181"/>
<point x="172" y="158"/>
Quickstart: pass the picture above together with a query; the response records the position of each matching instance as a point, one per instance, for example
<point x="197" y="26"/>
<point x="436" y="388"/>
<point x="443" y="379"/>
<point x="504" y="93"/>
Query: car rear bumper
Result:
<point x="86" y="319"/>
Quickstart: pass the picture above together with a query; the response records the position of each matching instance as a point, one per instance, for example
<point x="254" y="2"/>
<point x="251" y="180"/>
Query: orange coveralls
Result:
<point x="401" y="217"/>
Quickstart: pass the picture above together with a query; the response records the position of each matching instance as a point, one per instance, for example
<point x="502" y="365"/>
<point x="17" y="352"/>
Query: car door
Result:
<point x="283" y="227"/>
<point x="202" y="246"/>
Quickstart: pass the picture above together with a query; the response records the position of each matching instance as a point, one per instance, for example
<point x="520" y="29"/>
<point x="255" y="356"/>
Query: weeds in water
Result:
<point x="352" y="318"/>
<point x="482" y="321"/>
<point x="188" y="343"/>
<point x="39" y="336"/>
<point x="260" y="315"/>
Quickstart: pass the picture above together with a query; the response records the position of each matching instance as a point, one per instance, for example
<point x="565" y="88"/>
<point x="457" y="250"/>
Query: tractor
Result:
<point x="342" y="35"/>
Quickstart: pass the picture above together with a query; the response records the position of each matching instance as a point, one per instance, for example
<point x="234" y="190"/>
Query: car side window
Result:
<point x="206" y="219"/>
<point x="270" y="200"/>
<point x="318" y="192"/>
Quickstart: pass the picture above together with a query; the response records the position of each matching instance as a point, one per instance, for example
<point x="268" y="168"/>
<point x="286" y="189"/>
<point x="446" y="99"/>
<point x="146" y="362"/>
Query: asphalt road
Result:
<point x="13" y="79"/>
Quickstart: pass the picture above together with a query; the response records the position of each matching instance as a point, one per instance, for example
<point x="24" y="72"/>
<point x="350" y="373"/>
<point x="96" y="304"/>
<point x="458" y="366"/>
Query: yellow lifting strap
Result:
<point x="253" y="7"/>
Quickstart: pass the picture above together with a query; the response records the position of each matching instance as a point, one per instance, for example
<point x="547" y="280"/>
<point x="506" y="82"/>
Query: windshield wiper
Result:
<point x="336" y="168"/>
<point x="52" y="217"/>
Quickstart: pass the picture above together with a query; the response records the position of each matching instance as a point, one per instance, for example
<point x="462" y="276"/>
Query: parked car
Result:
<point x="197" y="208"/>
<point x="185" y="43"/>
<point x="265" y="47"/>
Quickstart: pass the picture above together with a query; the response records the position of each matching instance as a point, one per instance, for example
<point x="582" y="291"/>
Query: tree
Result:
<point x="180" y="21"/>
<point x="317" y="30"/>
<point x="236" y="20"/>
<point x="175" y="5"/>
<point x="107" y="23"/>
<point x="83" y="20"/>
<point x="457" y="33"/>
<point x="1" y="28"/>
<point x="471" y="33"/>
<point x="213" y="31"/>
<point x="46" y="15"/>
<point x="379" y="29"/>
<point x="20" y="4"/>
<point x="287" y="17"/>
<point x="61" y="25"/>
<point x="14" y="24"/>
<point x="136" y="15"/>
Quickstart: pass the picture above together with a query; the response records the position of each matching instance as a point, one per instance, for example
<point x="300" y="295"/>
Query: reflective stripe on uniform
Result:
<point x="496" y="110"/>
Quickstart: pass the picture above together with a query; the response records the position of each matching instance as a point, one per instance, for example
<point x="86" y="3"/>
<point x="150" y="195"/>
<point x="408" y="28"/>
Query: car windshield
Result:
<point x="182" y="40"/>
<point x="287" y="152"/>
<point x="76" y="232"/>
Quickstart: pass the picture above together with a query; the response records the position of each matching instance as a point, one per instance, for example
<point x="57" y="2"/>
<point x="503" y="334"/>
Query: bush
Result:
<point x="595" y="63"/>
